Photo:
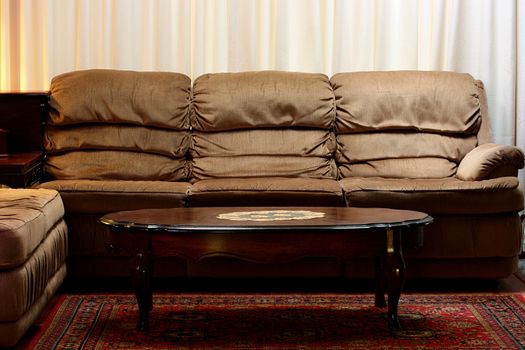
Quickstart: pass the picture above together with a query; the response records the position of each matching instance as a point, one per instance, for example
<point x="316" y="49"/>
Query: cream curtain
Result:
<point x="42" y="38"/>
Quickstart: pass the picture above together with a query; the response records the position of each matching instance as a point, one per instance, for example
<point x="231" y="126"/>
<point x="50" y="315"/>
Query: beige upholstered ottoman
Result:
<point x="33" y="249"/>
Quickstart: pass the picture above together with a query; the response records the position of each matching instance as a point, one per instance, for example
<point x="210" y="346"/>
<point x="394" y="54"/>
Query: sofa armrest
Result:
<point x="489" y="161"/>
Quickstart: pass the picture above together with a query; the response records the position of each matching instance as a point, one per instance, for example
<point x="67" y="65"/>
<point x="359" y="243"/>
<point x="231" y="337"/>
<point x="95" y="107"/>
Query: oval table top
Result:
<point x="229" y="219"/>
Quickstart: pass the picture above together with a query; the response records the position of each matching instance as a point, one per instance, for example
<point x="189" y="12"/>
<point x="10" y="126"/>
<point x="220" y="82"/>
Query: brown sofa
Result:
<point x="121" y="140"/>
<point x="33" y="250"/>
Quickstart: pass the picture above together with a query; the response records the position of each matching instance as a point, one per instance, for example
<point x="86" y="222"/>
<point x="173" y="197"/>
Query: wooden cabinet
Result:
<point x="22" y="118"/>
<point x="22" y="115"/>
<point x="21" y="169"/>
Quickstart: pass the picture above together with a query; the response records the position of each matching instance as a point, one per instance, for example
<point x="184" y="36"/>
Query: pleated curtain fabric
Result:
<point x="40" y="39"/>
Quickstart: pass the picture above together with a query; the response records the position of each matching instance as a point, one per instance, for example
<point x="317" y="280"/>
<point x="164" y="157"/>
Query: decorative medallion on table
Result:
<point x="271" y="215"/>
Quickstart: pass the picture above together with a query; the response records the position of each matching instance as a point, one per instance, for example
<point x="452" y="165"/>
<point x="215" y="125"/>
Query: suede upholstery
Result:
<point x="33" y="250"/>
<point x="119" y="140"/>
<point x="282" y="120"/>
<point x="490" y="161"/>
<point x="118" y="125"/>
<point x="405" y="124"/>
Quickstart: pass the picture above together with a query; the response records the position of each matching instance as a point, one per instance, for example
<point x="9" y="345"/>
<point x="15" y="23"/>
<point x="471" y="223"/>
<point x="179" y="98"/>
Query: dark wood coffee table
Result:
<point x="265" y="235"/>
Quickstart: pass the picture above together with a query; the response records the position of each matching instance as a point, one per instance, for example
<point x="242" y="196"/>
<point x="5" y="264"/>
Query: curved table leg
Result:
<point x="395" y="274"/>
<point x="141" y="269"/>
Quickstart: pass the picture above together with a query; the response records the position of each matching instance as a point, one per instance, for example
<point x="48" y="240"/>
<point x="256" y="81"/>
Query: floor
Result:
<point x="513" y="283"/>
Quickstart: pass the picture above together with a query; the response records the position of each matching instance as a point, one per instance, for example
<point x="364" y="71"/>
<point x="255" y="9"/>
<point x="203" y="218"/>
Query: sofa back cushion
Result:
<point x="405" y="124"/>
<point x="122" y="125"/>
<point x="263" y="124"/>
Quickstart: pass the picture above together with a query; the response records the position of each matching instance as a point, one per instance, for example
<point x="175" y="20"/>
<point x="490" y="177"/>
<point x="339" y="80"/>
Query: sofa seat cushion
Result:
<point x="26" y="218"/>
<point x="435" y="196"/>
<point x="91" y="196"/>
<point x="269" y="191"/>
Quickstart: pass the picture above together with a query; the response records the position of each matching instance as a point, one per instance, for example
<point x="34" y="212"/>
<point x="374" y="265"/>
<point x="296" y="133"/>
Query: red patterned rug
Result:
<point x="284" y="321"/>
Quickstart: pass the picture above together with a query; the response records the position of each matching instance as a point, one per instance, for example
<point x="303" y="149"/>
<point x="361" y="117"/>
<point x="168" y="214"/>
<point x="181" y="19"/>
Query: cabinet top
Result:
<point x="19" y="160"/>
<point x="45" y="93"/>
